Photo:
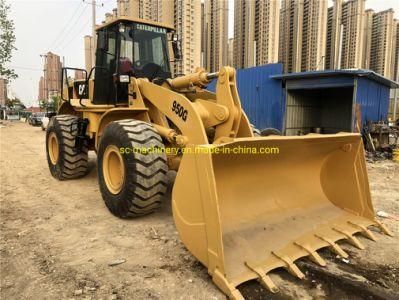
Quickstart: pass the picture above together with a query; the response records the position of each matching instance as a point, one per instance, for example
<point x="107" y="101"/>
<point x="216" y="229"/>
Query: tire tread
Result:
<point x="71" y="163"/>
<point x="147" y="181"/>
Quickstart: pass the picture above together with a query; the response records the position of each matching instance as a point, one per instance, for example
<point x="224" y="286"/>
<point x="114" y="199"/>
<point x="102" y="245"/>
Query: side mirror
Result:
<point x="176" y="46"/>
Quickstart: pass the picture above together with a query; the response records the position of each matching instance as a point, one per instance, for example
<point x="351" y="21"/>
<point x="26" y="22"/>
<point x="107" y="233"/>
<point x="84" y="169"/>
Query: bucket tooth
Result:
<point x="290" y="265"/>
<point x="236" y="295"/>
<point x="314" y="256"/>
<point x="230" y="290"/>
<point x="334" y="247"/>
<point x="352" y="239"/>
<point x="384" y="229"/>
<point x="365" y="231"/>
<point x="264" y="279"/>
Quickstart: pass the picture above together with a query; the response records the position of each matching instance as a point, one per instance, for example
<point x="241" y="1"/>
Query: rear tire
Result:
<point x="132" y="184"/>
<point x="64" y="161"/>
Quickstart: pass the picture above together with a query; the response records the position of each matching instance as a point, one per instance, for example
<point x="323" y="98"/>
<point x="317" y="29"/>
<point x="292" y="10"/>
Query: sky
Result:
<point x="60" y="25"/>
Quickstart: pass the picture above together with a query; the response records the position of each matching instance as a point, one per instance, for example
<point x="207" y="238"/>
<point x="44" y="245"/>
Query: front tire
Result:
<point x="132" y="183"/>
<point x="270" y="131"/>
<point x="256" y="132"/>
<point x="64" y="161"/>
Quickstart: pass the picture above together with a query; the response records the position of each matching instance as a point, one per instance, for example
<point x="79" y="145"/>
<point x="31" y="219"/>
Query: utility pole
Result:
<point x="93" y="39"/>
<point x="62" y="83"/>
<point x="93" y="29"/>
<point x="395" y="103"/>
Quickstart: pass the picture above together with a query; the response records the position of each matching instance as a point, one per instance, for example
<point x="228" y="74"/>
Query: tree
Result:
<point x="55" y="102"/>
<point x="43" y="104"/>
<point x="51" y="105"/>
<point x="15" y="104"/>
<point x="7" y="40"/>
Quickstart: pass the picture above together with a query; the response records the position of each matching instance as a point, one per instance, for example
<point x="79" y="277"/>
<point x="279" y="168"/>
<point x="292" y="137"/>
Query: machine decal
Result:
<point x="150" y="28"/>
<point x="179" y="110"/>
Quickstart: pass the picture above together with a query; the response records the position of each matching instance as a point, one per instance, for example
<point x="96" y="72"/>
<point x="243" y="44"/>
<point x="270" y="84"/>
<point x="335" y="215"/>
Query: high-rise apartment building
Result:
<point x="230" y="52"/>
<point x="203" y="34"/>
<point x="89" y="60"/>
<point x="215" y="31"/>
<point x="303" y="26"/>
<point x="243" y="35"/>
<point x="79" y="75"/>
<point x="51" y="84"/>
<point x="314" y="35"/>
<point x="288" y="41"/>
<point x="187" y="23"/>
<point x="396" y="56"/>
<point x="266" y="27"/>
<point x="334" y="32"/>
<point x="256" y="32"/>
<point x="368" y="31"/>
<point x="352" y="34"/>
<point x="154" y="10"/>
<point x="122" y="7"/>
<point x="3" y="92"/>
<point x="131" y="8"/>
<point x="382" y="50"/>
<point x="345" y="43"/>
<point x="183" y="15"/>
<point x="41" y="94"/>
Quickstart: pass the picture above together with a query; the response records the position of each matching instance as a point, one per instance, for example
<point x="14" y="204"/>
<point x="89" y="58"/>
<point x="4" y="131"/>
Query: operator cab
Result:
<point x="125" y="48"/>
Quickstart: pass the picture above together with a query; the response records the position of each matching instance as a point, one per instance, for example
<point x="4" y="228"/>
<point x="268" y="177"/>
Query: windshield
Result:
<point x="144" y="50"/>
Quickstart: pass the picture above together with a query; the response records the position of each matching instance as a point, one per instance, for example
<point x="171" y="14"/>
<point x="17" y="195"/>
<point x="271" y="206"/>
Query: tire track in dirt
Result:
<point x="58" y="238"/>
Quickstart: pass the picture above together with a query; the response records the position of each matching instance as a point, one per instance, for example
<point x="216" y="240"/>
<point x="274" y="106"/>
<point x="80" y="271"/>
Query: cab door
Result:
<point x="106" y="58"/>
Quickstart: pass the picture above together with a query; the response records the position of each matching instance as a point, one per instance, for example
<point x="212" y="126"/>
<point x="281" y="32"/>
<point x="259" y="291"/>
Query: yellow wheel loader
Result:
<point x="243" y="205"/>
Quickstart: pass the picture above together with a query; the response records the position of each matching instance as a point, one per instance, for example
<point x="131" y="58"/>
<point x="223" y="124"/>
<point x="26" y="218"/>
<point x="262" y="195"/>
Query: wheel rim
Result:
<point x="113" y="169"/>
<point x="53" y="148"/>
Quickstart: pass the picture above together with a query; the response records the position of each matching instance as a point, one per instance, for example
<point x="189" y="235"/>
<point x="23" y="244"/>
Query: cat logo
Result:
<point x="82" y="88"/>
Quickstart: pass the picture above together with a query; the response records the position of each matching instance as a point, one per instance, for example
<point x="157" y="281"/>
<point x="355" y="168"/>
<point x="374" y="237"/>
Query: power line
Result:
<point x="76" y="35"/>
<point x="66" y="25"/>
<point x="26" y="68"/>
<point x="93" y="4"/>
<point x="71" y="29"/>
<point x="62" y="43"/>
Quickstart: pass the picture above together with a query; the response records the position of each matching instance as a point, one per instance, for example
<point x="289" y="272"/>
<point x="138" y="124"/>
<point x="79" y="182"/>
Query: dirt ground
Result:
<point x="58" y="239"/>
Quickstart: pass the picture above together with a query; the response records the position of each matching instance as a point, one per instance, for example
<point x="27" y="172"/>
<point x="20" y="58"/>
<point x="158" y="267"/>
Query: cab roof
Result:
<point x="135" y="20"/>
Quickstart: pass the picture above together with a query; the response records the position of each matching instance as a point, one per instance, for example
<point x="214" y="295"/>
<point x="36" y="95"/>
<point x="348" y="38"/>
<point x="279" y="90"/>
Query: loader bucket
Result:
<point x="244" y="214"/>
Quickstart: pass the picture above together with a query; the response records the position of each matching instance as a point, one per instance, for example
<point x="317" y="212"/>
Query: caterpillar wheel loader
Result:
<point x="240" y="209"/>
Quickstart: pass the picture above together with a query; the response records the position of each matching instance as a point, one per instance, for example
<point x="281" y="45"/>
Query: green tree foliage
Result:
<point x="43" y="104"/>
<point x="51" y="105"/>
<point x="15" y="104"/>
<point x="55" y="102"/>
<point x="7" y="40"/>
